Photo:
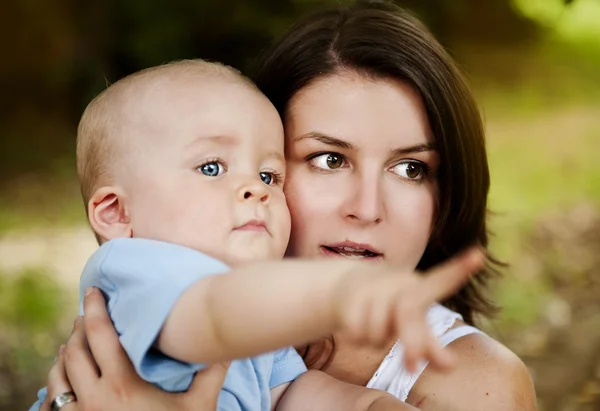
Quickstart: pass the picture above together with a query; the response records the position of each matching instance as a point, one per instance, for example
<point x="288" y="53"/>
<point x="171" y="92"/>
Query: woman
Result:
<point x="386" y="158"/>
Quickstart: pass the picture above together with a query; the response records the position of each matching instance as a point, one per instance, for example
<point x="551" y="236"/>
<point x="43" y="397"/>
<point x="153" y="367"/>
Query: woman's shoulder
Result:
<point x="487" y="375"/>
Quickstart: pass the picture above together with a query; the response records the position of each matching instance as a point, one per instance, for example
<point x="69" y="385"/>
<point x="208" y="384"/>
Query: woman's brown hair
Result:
<point x="380" y="40"/>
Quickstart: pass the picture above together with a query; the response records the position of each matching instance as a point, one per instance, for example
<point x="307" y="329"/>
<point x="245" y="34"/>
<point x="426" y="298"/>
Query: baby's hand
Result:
<point x="384" y="303"/>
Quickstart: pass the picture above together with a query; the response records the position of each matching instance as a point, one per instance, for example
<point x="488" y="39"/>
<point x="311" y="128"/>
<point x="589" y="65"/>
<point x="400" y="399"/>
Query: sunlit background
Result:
<point x="535" y="68"/>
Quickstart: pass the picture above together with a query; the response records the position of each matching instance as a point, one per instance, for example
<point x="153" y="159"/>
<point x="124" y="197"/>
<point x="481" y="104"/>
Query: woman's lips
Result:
<point x="350" y="249"/>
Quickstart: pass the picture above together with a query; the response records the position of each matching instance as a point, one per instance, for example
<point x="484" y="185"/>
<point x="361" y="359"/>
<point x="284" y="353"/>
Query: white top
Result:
<point x="391" y="376"/>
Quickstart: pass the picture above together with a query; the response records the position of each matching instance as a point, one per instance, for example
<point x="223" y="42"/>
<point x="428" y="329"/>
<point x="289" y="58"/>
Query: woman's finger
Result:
<point x="102" y="336"/>
<point x="81" y="369"/>
<point x="206" y="387"/>
<point x="445" y="279"/>
<point x="58" y="383"/>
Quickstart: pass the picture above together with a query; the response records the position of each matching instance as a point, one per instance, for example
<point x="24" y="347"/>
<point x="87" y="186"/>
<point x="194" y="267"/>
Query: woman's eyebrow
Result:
<point x="325" y="139"/>
<point x="418" y="148"/>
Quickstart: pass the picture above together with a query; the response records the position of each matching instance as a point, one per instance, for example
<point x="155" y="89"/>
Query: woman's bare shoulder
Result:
<point x="487" y="376"/>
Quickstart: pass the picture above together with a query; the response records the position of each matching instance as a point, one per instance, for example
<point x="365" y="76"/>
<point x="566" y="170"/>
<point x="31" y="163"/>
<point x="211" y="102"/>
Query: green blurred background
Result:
<point x="535" y="68"/>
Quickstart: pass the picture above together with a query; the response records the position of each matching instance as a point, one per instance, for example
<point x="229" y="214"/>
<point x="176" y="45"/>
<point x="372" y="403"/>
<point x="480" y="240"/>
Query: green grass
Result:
<point x="537" y="170"/>
<point x="30" y="300"/>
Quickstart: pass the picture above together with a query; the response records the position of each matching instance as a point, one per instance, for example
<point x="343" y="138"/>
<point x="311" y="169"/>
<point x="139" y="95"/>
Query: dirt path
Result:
<point x="61" y="252"/>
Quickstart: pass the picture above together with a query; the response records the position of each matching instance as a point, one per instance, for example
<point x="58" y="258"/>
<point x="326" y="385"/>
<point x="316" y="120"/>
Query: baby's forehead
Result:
<point x="197" y="73"/>
<point x="151" y="98"/>
<point x="159" y="95"/>
<point x="170" y="99"/>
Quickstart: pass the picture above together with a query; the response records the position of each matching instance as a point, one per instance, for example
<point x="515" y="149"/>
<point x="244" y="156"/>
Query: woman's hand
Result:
<point x="96" y="368"/>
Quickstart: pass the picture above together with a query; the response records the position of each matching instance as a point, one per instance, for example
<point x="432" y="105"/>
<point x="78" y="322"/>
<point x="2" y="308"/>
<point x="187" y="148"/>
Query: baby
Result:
<point x="182" y="170"/>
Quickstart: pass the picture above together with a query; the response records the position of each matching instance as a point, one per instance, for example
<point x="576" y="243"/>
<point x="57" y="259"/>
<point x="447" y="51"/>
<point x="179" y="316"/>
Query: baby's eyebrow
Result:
<point x="276" y="155"/>
<point x="215" y="140"/>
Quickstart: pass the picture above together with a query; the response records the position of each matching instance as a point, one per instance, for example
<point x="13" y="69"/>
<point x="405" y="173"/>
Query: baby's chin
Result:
<point x="251" y="256"/>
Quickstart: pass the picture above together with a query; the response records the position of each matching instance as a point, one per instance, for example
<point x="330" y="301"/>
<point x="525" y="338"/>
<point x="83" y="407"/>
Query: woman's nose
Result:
<point x="365" y="204"/>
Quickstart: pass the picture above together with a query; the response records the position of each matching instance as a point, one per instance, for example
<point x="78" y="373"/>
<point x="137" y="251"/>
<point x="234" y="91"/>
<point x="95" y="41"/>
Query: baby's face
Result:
<point x="207" y="170"/>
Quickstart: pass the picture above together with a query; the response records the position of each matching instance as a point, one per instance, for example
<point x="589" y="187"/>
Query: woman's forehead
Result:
<point x="359" y="110"/>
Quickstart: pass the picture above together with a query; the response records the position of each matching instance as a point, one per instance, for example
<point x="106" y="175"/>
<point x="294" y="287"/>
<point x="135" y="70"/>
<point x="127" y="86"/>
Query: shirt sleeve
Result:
<point x="287" y="366"/>
<point x="142" y="280"/>
<point x="41" y="397"/>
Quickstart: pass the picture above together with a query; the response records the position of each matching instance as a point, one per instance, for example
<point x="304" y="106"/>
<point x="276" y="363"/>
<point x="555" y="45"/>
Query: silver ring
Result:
<point x="62" y="399"/>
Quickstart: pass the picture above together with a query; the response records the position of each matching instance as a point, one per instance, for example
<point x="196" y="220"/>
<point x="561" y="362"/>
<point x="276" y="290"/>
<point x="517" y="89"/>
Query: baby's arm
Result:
<point x="315" y="390"/>
<point x="264" y="306"/>
<point x="255" y="309"/>
<point x="174" y="299"/>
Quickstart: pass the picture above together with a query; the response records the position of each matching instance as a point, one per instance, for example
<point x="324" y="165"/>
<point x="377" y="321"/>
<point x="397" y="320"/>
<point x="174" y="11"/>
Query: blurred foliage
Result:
<point x="552" y="316"/>
<point x="29" y="301"/>
<point x="30" y="308"/>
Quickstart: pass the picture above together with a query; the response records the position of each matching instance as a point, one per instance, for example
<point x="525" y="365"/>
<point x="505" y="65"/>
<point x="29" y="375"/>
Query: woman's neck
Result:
<point x="344" y="360"/>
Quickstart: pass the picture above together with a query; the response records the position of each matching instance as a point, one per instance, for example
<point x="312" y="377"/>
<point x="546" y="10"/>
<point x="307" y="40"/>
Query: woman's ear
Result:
<point x="108" y="215"/>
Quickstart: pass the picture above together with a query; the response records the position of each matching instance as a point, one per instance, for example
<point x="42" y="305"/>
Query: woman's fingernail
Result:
<point x="89" y="290"/>
<point x="77" y="320"/>
<point x="60" y="349"/>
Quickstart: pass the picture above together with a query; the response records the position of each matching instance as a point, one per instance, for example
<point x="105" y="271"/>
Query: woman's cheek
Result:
<point x="306" y="211"/>
<point x="299" y="196"/>
<point x="293" y="199"/>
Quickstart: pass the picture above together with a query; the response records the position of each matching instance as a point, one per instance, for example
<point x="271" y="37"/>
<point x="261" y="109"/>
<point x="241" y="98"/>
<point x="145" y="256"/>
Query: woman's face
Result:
<point x="361" y="180"/>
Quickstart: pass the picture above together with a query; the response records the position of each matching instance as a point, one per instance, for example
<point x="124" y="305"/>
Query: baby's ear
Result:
<point x="108" y="215"/>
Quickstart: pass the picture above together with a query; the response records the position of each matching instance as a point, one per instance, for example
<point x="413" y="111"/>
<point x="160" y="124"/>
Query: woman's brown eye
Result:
<point x="410" y="170"/>
<point x="413" y="170"/>
<point x="334" y="161"/>
<point x="328" y="161"/>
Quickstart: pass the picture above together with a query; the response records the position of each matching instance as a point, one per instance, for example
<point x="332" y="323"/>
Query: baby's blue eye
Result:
<point x="267" y="178"/>
<point x="212" y="169"/>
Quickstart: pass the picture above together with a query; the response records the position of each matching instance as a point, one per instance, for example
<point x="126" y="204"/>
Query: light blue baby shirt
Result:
<point x="142" y="280"/>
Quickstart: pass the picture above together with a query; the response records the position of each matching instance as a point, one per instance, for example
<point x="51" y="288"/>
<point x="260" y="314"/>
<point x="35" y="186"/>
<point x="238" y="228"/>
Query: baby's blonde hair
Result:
<point x="100" y="143"/>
